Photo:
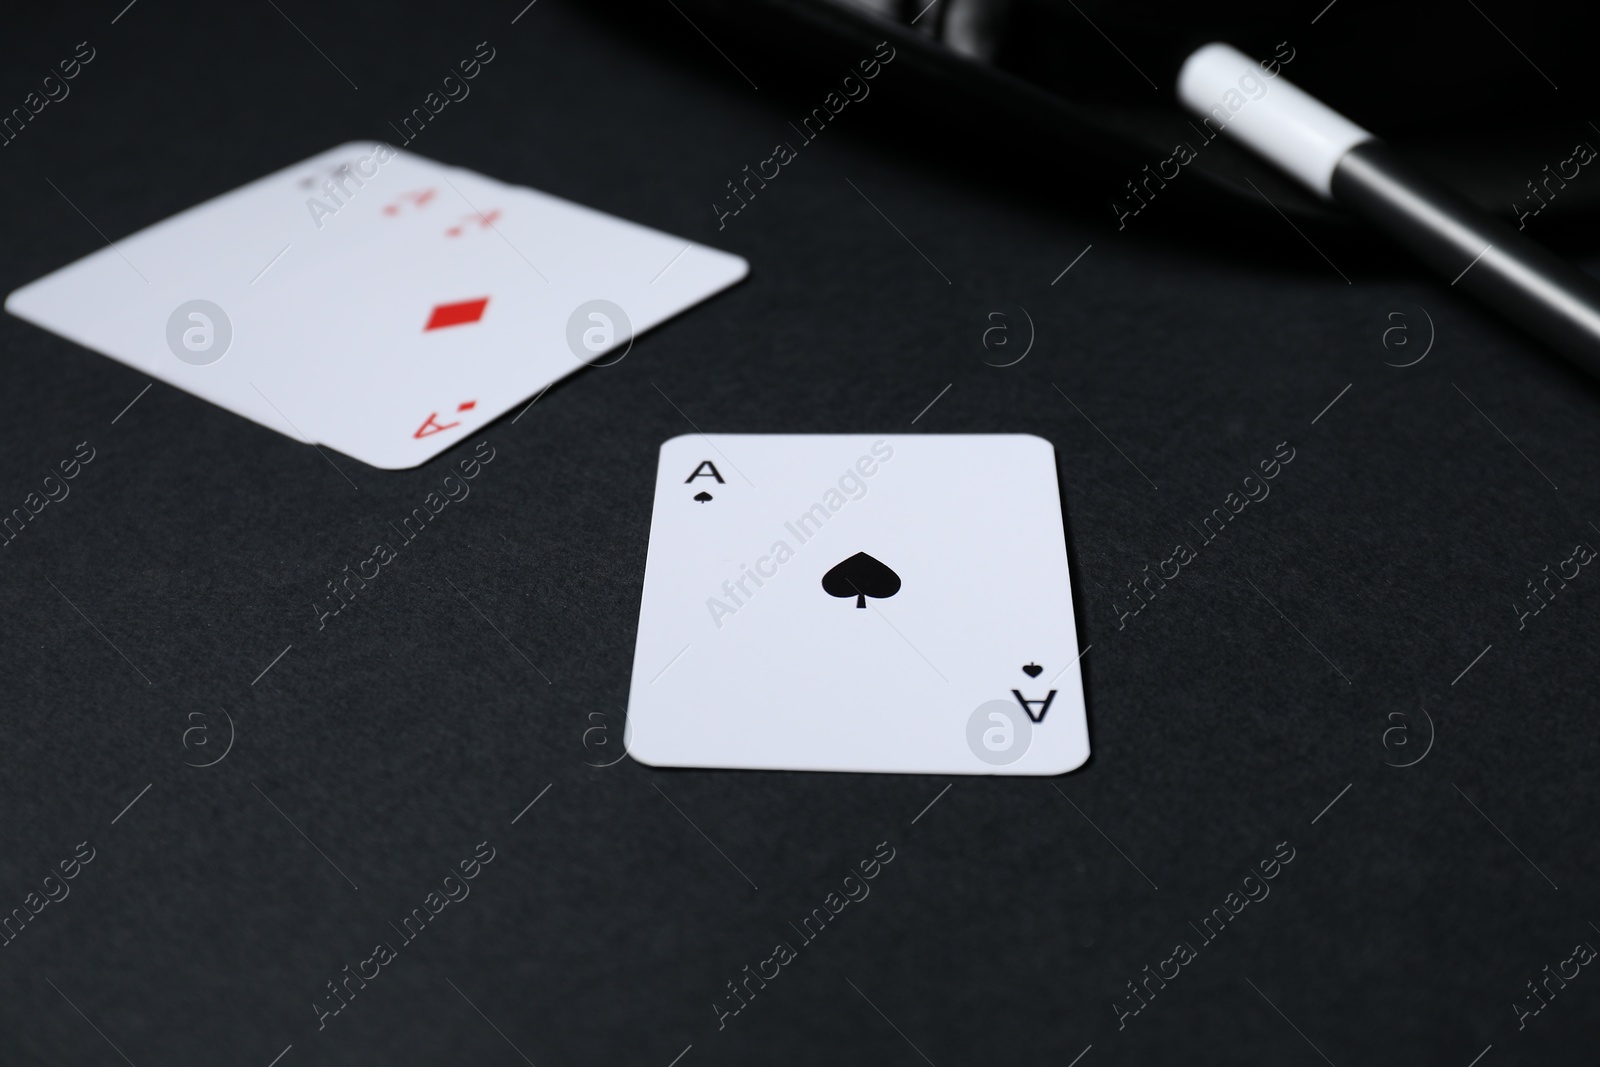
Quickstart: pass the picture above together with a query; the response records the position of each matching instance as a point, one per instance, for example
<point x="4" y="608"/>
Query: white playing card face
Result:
<point x="375" y="301"/>
<point x="858" y="603"/>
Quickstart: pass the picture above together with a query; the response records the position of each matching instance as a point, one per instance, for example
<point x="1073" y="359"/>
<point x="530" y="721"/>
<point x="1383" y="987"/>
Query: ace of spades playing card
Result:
<point x="890" y="603"/>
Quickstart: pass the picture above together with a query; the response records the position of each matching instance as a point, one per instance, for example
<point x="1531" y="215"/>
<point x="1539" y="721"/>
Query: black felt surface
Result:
<point x="379" y="751"/>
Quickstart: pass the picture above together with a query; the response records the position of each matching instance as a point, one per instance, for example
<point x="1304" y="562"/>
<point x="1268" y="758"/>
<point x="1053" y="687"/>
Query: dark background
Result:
<point x="1225" y="717"/>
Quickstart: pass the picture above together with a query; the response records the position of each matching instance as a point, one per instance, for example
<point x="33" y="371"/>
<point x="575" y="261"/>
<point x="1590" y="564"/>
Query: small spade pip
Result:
<point x="703" y="496"/>
<point x="861" y="576"/>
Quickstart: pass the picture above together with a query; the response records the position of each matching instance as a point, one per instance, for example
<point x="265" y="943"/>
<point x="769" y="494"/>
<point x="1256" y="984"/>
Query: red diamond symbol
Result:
<point x="456" y="314"/>
<point x="468" y="406"/>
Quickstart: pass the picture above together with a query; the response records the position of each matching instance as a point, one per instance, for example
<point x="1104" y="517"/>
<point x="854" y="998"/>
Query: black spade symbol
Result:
<point x="1033" y="670"/>
<point x="861" y="576"/>
<point x="702" y="496"/>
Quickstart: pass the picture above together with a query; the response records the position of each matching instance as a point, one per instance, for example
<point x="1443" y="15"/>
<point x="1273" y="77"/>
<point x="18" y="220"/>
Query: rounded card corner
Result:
<point x="641" y="754"/>
<point x="383" y="461"/>
<point x="1051" y="445"/>
<point x="1074" y="764"/>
